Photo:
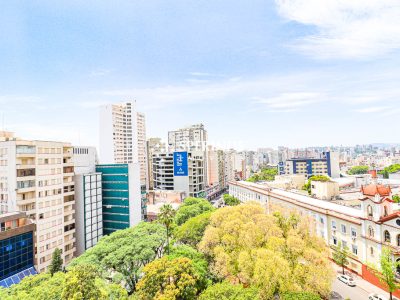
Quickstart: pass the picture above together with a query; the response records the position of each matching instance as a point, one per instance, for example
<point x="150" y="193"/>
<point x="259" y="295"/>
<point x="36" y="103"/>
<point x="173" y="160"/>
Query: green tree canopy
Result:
<point x="166" y="218"/>
<point x="386" y="272"/>
<point x="192" y="207"/>
<point x="299" y="296"/>
<point x="358" y="170"/>
<point x="390" y="169"/>
<point x="276" y="255"/>
<point x="124" y="252"/>
<point x="172" y="279"/>
<point x="199" y="262"/>
<point x="230" y="200"/>
<point x="266" y="174"/>
<point x="70" y="285"/>
<point x="341" y="255"/>
<point x="228" y="291"/>
<point x="80" y="284"/>
<point x="192" y="231"/>
<point x="56" y="262"/>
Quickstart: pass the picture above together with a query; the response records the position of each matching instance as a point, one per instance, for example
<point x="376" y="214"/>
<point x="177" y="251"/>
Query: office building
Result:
<point x="123" y="137"/>
<point x="154" y="146"/>
<point x="180" y="171"/>
<point x="327" y="165"/>
<point x="17" y="248"/>
<point x="121" y="195"/>
<point x="88" y="199"/>
<point x="36" y="177"/>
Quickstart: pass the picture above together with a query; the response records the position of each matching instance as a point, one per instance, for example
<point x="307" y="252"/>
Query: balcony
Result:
<point x="26" y="172"/>
<point x="25" y="186"/>
<point x="68" y="171"/>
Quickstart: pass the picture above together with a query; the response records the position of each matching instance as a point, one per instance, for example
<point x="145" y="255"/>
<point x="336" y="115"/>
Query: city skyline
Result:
<point x="258" y="74"/>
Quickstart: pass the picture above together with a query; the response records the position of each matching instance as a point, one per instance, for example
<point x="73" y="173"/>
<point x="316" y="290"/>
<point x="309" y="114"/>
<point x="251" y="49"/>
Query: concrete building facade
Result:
<point x="123" y="137"/>
<point x="36" y="177"/>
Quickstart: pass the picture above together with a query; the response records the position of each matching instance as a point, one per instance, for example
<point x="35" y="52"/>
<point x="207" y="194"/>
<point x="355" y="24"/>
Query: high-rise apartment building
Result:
<point x="36" y="177"/>
<point x="192" y="138"/>
<point x="123" y="137"/>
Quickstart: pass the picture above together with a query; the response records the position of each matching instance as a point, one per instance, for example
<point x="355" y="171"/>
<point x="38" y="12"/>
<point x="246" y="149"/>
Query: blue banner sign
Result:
<point x="181" y="164"/>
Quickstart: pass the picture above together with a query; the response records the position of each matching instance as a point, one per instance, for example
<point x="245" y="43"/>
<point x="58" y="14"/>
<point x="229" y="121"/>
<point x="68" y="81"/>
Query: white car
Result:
<point x="347" y="280"/>
<point x="376" y="297"/>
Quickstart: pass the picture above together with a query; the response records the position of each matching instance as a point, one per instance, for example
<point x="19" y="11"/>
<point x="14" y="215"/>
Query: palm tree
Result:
<point x="166" y="217"/>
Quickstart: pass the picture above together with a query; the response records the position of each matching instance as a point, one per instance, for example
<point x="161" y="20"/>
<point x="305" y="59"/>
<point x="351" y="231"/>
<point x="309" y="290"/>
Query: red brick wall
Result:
<point x="371" y="278"/>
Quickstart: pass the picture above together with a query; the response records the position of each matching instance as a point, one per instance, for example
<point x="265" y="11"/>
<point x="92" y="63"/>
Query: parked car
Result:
<point x="335" y="296"/>
<point x="347" y="280"/>
<point x="376" y="297"/>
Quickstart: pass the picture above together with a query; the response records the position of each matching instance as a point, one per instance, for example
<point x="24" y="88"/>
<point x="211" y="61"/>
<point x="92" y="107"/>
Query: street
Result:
<point x="347" y="292"/>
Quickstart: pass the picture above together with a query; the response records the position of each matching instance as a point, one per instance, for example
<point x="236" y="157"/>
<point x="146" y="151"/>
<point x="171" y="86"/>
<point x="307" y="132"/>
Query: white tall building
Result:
<point x="36" y="177"/>
<point x="88" y="199"/>
<point x="191" y="138"/>
<point x="123" y="136"/>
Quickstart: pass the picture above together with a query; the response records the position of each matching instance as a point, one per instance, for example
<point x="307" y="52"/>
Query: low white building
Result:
<point x="364" y="231"/>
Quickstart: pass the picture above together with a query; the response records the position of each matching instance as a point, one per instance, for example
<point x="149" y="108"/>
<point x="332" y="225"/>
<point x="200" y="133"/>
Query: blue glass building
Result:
<point x="121" y="196"/>
<point x="16" y="248"/>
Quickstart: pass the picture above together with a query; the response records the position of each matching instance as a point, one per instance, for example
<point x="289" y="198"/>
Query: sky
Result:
<point x="256" y="73"/>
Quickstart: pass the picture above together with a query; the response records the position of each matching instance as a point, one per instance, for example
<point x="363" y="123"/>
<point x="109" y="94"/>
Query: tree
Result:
<point x="192" y="207"/>
<point x="228" y="291"/>
<point x="166" y="218"/>
<point x="169" y="279"/>
<point x="45" y="286"/>
<point x="80" y="284"/>
<point x="56" y="262"/>
<point x="230" y="200"/>
<point x="358" y="170"/>
<point x="199" y="262"/>
<point x="122" y="255"/>
<point x="387" y="272"/>
<point x="299" y="296"/>
<point x="390" y="170"/>
<point x="396" y="198"/>
<point x="276" y="255"/>
<point x="192" y="231"/>
<point x="266" y="174"/>
<point x="340" y="255"/>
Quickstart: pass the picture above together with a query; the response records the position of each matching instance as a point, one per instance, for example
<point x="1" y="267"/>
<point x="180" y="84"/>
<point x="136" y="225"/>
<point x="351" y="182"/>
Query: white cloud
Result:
<point x="373" y="109"/>
<point x="288" y="102"/>
<point x="346" y="28"/>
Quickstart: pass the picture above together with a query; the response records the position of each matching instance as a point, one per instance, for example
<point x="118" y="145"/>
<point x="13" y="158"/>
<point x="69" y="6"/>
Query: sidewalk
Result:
<point x="361" y="283"/>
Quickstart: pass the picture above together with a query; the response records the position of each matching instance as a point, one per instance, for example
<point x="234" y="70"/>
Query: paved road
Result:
<point x="353" y="293"/>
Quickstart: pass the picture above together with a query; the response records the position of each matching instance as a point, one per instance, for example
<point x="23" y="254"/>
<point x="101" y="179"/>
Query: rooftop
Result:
<point x="376" y="189"/>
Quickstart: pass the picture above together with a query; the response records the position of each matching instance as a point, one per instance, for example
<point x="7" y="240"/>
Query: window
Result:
<point x="372" y="251"/>
<point x="387" y="236"/>
<point x="333" y="224"/>
<point x="343" y="229"/>
<point x="334" y="241"/>
<point x="369" y="211"/>
<point x="398" y="240"/>
<point x="371" y="232"/>
<point x="344" y="244"/>
<point x="385" y="211"/>
<point x="353" y="232"/>
<point x="354" y="249"/>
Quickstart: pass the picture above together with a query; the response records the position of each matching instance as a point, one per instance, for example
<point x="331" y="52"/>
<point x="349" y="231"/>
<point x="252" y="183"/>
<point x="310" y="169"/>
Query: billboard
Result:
<point x="181" y="164"/>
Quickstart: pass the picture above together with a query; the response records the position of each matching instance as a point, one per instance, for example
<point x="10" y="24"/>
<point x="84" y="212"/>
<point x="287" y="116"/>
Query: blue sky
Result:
<point x="256" y="73"/>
